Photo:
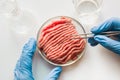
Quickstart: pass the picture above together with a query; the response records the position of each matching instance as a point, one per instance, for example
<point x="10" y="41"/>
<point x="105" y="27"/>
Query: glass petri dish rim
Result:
<point x="43" y="55"/>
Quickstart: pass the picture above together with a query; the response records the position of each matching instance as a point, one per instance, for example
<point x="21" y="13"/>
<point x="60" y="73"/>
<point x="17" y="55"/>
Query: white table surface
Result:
<point x="97" y="64"/>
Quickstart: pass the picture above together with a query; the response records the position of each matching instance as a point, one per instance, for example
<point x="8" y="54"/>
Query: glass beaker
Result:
<point x="8" y="7"/>
<point x="20" y="21"/>
<point x="87" y="10"/>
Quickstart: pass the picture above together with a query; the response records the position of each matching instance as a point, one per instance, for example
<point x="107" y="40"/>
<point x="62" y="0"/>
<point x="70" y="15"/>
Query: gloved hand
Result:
<point x="112" y="24"/>
<point x="23" y="69"/>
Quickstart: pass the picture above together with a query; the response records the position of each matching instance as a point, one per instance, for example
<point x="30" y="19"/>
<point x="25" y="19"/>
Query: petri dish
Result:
<point x="79" y="28"/>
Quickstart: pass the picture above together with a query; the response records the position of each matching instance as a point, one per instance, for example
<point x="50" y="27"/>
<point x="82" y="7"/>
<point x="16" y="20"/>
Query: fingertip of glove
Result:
<point x="94" y="29"/>
<point x="92" y="42"/>
<point x="59" y="68"/>
<point x="54" y="74"/>
<point x="30" y="45"/>
<point x="99" y="37"/>
<point x="32" y="40"/>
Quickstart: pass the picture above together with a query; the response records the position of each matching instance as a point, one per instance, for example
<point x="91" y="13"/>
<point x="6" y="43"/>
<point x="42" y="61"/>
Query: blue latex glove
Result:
<point x="54" y="74"/>
<point x="23" y="69"/>
<point x="112" y="24"/>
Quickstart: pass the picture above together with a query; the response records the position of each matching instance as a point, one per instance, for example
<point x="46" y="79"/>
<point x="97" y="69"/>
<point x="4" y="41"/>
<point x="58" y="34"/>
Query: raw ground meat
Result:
<point x="57" y="43"/>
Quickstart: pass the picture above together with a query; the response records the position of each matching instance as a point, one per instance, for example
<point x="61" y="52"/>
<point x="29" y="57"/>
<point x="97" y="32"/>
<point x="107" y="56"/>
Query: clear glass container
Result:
<point x="19" y="21"/>
<point x="83" y="7"/>
<point x="80" y="29"/>
<point x="8" y="7"/>
<point x="87" y="10"/>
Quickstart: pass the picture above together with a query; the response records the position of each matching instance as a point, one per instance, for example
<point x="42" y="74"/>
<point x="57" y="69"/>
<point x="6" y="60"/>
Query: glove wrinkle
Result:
<point x="54" y="74"/>
<point x="23" y="70"/>
<point x="108" y="43"/>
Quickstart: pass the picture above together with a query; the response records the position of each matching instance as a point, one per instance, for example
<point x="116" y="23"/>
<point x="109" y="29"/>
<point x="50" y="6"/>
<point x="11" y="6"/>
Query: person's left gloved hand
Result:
<point x="23" y="69"/>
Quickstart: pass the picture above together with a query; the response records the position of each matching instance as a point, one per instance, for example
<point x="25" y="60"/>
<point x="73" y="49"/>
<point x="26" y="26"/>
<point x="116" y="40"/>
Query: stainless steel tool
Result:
<point x="90" y="35"/>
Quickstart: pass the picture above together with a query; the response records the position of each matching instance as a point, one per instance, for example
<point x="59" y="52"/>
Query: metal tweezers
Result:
<point x="90" y="35"/>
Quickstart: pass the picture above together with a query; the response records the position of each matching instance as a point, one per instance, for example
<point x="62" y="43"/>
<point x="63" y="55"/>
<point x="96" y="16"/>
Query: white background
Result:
<point x="97" y="64"/>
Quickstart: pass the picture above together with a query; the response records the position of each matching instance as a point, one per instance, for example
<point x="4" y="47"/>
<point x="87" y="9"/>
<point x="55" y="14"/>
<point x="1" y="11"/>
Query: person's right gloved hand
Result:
<point x="112" y="24"/>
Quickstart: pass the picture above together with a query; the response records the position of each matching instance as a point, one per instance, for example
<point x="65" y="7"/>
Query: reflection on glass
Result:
<point x="20" y="21"/>
<point x="87" y="10"/>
